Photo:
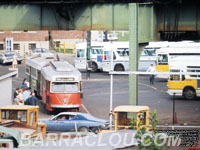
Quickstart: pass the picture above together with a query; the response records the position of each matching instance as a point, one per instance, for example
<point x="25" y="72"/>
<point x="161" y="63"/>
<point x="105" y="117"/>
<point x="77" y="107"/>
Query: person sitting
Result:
<point x="20" y="99"/>
<point x="32" y="100"/>
<point x="26" y="95"/>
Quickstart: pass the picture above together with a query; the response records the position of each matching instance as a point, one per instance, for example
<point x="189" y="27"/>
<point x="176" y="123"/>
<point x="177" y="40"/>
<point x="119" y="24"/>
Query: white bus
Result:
<point x="120" y="56"/>
<point x="96" y="54"/>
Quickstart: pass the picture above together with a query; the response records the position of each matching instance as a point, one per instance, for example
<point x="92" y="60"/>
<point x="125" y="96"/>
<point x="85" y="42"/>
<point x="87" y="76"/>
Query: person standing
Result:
<point x="25" y="84"/>
<point x="14" y="63"/>
<point x="152" y="76"/>
<point x="15" y="101"/>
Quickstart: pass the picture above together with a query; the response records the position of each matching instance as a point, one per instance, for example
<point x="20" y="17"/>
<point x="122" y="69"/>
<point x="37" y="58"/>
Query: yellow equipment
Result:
<point x="124" y="114"/>
<point x="23" y="114"/>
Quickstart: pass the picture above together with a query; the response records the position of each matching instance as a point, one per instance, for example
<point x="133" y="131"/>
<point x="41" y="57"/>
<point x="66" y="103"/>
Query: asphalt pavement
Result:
<point x="96" y="99"/>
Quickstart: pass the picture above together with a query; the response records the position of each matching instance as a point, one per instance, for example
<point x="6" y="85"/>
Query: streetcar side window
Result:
<point x="33" y="72"/>
<point x="27" y="69"/>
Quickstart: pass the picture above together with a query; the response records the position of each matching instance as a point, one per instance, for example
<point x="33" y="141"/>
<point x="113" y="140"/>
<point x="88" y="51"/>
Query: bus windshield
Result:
<point x="97" y="51"/>
<point x="151" y="52"/>
<point x="123" y="53"/>
<point x="162" y="59"/>
<point x="63" y="87"/>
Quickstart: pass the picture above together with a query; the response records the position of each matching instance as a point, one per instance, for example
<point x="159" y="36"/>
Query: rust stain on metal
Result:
<point x="180" y="28"/>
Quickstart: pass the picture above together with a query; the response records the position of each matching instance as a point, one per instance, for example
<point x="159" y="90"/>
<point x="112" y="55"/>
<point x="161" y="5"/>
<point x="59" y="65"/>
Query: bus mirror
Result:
<point x="183" y="77"/>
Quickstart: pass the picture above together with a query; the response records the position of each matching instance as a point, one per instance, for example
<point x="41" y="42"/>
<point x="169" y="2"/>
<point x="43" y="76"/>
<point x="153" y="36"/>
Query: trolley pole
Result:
<point x="88" y="55"/>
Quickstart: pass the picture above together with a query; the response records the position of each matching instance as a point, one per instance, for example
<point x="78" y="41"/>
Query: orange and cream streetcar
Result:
<point x="60" y="85"/>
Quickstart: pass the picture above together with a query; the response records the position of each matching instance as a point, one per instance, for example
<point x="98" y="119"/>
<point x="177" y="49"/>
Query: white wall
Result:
<point x="6" y="92"/>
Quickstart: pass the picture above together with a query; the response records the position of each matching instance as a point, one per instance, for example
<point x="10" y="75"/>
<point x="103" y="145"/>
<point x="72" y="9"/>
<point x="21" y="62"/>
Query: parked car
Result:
<point x="7" y="57"/>
<point x="74" y="121"/>
<point x="42" y="52"/>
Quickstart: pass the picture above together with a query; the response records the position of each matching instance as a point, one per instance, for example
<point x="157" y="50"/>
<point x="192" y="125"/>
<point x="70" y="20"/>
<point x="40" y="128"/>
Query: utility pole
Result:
<point x="133" y="53"/>
<point x="88" y="55"/>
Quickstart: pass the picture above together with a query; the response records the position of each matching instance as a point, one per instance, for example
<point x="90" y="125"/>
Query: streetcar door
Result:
<point x="38" y="82"/>
<point x="80" y="59"/>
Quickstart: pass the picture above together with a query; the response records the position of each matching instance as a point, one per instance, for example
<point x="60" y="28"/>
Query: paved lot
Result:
<point x="97" y="96"/>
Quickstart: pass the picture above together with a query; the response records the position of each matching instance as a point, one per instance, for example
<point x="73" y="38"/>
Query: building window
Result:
<point x="1" y="46"/>
<point x="16" y="47"/>
<point x="27" y="31"/>
<point x="15" y="31"/>
<point x="57" y="43"/>
<point x="32" y="46"/>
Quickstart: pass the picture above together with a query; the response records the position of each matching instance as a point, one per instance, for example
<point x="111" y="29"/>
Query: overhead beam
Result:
<point x="69" y="17"/>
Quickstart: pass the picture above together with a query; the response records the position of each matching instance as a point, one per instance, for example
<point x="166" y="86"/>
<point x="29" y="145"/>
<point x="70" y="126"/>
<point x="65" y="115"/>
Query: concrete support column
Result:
<point x="133" y="53"/>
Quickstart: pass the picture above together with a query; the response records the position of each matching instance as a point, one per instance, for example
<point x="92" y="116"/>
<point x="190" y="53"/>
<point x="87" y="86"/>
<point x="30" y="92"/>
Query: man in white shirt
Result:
<point x="151" y="69"/>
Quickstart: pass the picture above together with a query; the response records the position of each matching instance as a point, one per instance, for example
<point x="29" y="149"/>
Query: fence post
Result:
<point x="64" y="48"/>
<point x="18" y="48"/>
<point x="59" y="48"/>
<point x="24" y="52"/>
<point x="29" y="50"/>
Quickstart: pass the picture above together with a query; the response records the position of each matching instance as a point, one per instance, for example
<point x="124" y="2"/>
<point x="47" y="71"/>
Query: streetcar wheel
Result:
<point x="189" y="93"/>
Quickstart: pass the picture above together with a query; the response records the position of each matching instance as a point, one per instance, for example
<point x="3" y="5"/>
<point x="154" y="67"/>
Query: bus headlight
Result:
<point x="65" y="100"/>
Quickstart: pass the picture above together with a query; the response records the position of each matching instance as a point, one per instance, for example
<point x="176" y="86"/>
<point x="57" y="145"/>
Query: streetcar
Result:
<point x="58" y="83"/>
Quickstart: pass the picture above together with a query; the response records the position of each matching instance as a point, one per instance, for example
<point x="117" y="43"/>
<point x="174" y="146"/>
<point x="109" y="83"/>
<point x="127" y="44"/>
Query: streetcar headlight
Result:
<point x="65" y="100"/>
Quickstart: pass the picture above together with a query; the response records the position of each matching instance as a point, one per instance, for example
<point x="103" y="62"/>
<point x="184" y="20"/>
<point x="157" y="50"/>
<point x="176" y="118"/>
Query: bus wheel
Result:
<point x="94" y="67"/>
<point x="189" y="93"/>
<point x="119" y="68"/>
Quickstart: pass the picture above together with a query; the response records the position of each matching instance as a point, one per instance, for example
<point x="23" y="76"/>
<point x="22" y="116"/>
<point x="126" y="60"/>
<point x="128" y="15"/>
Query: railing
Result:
<point x="65" y="48"/>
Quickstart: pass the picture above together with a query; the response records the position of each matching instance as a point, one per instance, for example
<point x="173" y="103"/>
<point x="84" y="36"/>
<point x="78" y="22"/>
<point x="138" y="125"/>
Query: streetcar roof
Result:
<point x="38" y="62"/>
<point x="61" y="70"/>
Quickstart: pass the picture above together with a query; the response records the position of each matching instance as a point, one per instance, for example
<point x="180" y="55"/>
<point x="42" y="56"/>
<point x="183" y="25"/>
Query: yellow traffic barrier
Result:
<point x="29" y="50"/>
<point x="24" y="53"/>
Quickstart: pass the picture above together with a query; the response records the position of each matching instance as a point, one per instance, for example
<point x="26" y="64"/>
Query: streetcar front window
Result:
<point x="58" y="87"/>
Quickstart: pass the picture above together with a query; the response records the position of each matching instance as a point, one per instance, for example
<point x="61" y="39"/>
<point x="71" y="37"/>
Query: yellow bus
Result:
<point x="166" y="56"/>
<point x="187" y="82"/>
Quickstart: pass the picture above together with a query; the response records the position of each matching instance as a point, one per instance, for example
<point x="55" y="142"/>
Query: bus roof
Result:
<point x="83" y="45"/>
<point x="61" y="71"/>
<point x="179" y="50"/>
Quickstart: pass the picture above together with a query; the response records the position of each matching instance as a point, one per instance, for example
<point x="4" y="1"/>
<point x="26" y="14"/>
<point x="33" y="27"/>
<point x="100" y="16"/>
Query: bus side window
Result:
<point x="183" y="77"/>
<point x="114" y="56"/>
<point x="174" y="77"/>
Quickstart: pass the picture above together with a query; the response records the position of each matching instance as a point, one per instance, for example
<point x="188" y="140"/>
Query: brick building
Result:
<point x="24" y="41"/>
